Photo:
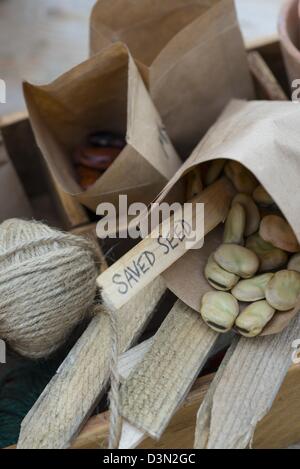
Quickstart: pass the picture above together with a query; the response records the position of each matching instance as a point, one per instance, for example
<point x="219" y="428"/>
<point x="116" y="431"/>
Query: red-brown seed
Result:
<point x="87" y="176"/>
<point x="96" y="157"/>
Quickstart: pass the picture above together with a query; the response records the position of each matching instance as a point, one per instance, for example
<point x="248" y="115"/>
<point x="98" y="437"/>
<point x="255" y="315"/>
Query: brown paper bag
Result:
<point x="103" y="93"/>
<point x="263" y="136"/>
<point x="190" y="53"/>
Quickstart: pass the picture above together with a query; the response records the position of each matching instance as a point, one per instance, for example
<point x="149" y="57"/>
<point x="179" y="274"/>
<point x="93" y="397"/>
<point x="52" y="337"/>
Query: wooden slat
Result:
<point x="244" y="389"/>
<point x="130" y="360"/>
<point x="22" y="148"/>
<point x="71" y="395"/>
<point x="13" y="199"/>
<point x="265" y="79"/>
<point x="167" y="371"/>
<point x="131" y="436"/>
<point x="280" y="428"/>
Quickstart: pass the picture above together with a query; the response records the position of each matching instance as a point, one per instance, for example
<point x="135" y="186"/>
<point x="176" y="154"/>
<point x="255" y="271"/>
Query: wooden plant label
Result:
<point x="157" y="252"/>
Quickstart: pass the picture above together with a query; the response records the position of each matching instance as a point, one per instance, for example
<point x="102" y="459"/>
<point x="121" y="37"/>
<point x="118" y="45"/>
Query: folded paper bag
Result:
<point x="190" y="53"/>
<point x="263" y="136"/>
<point x="105" y="93"/>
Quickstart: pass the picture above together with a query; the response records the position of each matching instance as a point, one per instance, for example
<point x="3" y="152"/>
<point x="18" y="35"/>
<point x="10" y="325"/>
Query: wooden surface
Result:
<point x="217" y="199"/>
<point x="258" y="20"/>
<point x="39" y="40"/>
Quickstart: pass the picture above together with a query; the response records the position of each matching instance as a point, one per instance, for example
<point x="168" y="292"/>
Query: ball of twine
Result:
<point x="47" y="285"/>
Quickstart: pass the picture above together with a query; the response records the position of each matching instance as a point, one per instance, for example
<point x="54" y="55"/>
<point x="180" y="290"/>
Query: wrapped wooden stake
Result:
<point x="167" y="371"/>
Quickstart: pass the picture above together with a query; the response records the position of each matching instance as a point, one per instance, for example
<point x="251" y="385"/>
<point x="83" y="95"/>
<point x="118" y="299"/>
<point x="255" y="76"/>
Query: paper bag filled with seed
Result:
<point x="100" y="133"/>
<point x="247" y="274"/>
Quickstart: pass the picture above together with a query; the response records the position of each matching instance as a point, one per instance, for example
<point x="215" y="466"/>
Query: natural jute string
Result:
<point x="47" y="285"/>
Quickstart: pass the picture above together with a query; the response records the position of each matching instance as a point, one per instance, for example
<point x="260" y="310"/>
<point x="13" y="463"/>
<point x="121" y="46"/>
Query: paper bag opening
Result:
<point x="105" y="93"/>
<point x="190" y="54"/>
<point x="139" y="20"/>
<point x="263" y="136"/>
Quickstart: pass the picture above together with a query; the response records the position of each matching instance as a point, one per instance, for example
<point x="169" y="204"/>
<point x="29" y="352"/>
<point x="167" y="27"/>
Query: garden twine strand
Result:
<point x="115" y="428"/>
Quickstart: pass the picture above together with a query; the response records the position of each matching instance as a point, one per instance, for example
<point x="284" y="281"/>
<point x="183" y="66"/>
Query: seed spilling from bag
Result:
<point x="252" y="212"/>
<point x="276" y="230"/>
<point x="237" y="260"/>
<point x="252" y="289"/>
<point x="270" y="258"/>
<point x="294" y="263"/>
<point x="235" y="225"/>
<point x="262" y="197"/>
<point x="194" y="184"/>
<point x="254" y="318"/>
<point x="219" y="310"/>
<point x="283" y="291"/>
<point x="242" y="179"/>
<point x="214" y="171"/>
<point x="218" y="277"/>
<point x="95" y="157"/>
